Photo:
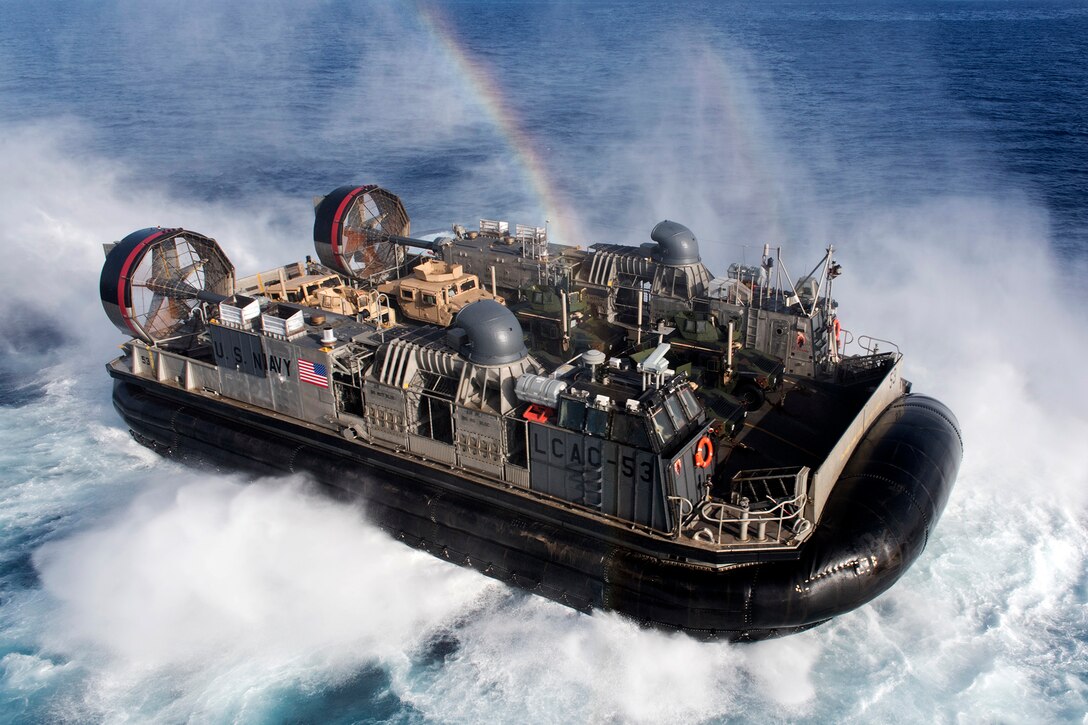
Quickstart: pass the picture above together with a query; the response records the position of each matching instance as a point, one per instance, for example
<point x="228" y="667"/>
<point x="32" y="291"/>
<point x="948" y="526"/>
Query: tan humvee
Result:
<point x="436" y="292"/>
<point x="298" y="285"/>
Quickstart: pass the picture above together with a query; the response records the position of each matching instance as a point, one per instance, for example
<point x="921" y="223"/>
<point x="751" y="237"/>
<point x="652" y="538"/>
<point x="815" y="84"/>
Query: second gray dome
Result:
<point x="491" y="334"/>
<point x="676" y="243"/>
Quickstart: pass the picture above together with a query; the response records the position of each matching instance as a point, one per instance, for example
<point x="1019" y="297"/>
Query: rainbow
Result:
<point x="563" y="222"/>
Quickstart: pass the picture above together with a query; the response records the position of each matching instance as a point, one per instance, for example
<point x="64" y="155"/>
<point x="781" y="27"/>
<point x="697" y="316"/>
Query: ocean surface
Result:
<point x="942" y="147"/>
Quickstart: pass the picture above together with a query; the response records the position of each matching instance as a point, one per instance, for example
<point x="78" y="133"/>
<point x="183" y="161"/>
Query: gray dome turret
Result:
<point x="487" y="333"/>
<point x="676" y="244"/>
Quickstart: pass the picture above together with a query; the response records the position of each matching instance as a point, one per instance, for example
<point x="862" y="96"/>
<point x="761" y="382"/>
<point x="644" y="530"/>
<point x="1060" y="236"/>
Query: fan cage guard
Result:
<point x="360" y="216"/>
<point x="164" y="277"/>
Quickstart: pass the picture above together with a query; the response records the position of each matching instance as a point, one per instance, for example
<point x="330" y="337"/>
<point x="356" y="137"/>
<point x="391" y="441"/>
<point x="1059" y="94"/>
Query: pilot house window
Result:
<point x="572" y="414"/>
<point x="691" y="405"/>
<point x="407" y="294"/>
<point x="663" y="426"/>
<point x="597" y="422"/>
<point x="429" y="299"/>
<point x="676" y="412"/>
<point x="630" y="429"/>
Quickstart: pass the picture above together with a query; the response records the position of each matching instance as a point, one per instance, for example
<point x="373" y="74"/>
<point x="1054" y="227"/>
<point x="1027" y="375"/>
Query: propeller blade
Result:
<point x="164" y="258"/>
<point x="187" y="271"/>
<point x="153" y="309"/>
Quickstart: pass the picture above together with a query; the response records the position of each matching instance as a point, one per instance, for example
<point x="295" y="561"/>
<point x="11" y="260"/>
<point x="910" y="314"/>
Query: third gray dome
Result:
<point x="676" y="243"/>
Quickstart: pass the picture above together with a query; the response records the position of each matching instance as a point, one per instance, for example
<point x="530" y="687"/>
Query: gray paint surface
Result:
<point x="238" y="350"/>
<point x="603" y="475"/>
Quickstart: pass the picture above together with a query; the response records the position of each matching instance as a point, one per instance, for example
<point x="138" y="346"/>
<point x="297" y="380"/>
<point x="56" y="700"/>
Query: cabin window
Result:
<point x="572" y="414"/>
<point x="330" y="282"/>
<point x="451" y="291"/>
<point x="407" y="294"/>
<point x="597" y="422"/>
<point x="676" y="412"/>
<point x="467" y="285"/>
<point x="630" y="429"/>
<point x="429" y="299"/>
<point x="663" y="426"/>
<point x="691" y="405"/>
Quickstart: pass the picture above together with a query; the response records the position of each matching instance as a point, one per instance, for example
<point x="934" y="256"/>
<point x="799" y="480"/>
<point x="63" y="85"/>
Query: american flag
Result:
<point x="313" y="373"/>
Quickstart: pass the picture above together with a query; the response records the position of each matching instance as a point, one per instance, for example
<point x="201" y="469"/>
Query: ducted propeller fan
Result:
<point x="154" y="280"/>
<point x="354" y="230"/>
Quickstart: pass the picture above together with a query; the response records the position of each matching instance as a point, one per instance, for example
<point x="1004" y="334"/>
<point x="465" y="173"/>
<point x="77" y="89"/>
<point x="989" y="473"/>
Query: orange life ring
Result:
<point x="677" y="466"/>
<point x="704" y="452"/>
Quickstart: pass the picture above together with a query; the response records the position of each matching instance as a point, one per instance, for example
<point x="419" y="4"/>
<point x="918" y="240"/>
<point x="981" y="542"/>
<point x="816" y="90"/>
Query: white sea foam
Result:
<point x="228" y="590"/>
<point x="61" y="203"/>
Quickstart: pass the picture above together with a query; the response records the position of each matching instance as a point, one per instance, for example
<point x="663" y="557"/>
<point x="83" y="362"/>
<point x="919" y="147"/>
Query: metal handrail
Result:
<point x="868" y="344"/>
<point x="745" y="517"/>
<point x="855" y="368"/>
<point x="683" y="501"/>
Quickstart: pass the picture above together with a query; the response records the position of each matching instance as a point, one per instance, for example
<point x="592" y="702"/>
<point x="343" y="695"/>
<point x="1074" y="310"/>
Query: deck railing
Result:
<point x="774" y="518"/>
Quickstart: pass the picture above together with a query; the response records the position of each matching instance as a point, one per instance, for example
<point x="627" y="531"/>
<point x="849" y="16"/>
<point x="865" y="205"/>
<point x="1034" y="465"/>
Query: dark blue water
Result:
<point x="941" y="146"/>
<point x="876" y="100"/>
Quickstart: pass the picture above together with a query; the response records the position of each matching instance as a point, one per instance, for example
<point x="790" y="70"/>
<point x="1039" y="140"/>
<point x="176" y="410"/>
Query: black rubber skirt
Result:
<point x="875" y="524"/>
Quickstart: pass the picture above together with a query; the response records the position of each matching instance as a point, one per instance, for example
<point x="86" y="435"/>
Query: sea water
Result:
<point x="942" y="147"/>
